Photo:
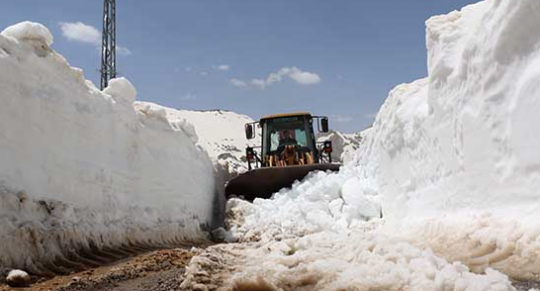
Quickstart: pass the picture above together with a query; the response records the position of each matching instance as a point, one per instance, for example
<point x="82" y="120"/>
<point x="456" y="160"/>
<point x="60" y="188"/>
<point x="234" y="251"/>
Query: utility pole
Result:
<point x="108" y="49"/>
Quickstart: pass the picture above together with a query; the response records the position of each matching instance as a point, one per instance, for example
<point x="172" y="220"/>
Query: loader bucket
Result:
<point x="263" y="182"/>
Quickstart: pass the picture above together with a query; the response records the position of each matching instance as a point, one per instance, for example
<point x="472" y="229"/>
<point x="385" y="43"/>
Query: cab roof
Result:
<point x="286" y="115"/>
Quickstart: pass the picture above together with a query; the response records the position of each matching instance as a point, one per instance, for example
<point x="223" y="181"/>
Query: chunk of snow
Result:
<point x="121" y="90"/>
<point x="18" y="278"/>
<point x="29" y="31"/>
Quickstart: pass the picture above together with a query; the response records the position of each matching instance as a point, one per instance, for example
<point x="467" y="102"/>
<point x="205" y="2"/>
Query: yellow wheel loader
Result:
<point x="288" y="152"/>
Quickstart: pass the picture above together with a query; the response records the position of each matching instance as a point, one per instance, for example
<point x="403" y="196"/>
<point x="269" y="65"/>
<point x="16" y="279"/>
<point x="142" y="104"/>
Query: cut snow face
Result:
<point x="451" y="159"/>
<point x="82" y="169"/>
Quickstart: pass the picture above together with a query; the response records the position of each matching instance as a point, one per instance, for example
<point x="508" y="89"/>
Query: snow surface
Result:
<point x="81" y="169"/>
<point x="452" y="162"/>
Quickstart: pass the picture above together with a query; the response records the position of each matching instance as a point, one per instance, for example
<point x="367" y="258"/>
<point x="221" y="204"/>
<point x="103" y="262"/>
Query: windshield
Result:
<point x="287" y="136"/>
<point x="285" y="131"/>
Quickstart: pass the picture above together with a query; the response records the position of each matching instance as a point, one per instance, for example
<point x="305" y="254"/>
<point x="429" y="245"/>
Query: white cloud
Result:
<point x="342" y="118"/>
<point x="188" y="69"/>
<point x="304" y="78"/>
<point x="259" y="83"/>
<point x="84" y="33"/>
<point x="238" y="83"/>
<point x="203" y="73"/>
<point x="222" y="68"/>
<point x="80" y="32"/>
<point x="295" y="74"/>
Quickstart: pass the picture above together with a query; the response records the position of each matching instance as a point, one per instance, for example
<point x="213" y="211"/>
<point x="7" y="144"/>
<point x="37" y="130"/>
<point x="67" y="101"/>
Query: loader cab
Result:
<point x="286" y="140"/>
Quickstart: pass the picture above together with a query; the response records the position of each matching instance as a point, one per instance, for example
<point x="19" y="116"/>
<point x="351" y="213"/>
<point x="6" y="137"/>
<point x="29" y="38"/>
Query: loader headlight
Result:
<point x="327" y="147"/>
<point x="250" y="154"/>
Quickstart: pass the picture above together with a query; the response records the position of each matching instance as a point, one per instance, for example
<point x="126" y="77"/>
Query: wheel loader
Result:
<point x="288" y="152"/>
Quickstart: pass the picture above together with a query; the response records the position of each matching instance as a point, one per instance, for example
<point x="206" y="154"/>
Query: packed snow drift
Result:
<point x="81" y="169"/>
<point x="451" y="163"/>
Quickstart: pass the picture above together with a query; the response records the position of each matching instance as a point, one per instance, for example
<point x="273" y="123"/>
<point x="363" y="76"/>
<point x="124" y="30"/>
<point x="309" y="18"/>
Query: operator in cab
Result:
<point x="287" y="139"/>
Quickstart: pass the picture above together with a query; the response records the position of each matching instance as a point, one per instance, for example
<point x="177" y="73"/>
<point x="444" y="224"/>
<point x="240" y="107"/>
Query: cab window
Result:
<point x="280" y="137"/>
<point x="285" y="131"/>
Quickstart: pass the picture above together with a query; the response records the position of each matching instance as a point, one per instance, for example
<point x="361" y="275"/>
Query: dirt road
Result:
<point x="159" y="270"/>
<point x="156" y="271"/>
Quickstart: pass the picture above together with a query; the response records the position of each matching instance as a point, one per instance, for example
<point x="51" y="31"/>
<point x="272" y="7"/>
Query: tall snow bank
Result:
<point x="463" y="139"/>
<point x="454" y="156"/>
<point x="81" y="169"/>
<point x="221" y="135"/>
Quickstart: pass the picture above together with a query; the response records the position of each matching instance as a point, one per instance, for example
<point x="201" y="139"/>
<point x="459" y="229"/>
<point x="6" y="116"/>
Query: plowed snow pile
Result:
<point x="452" y="161"/>
<point x="81" y="169"/>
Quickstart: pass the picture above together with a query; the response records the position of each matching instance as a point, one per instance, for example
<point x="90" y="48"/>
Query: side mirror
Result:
<point x="324" y="124"/>
<point x="249" y="131"/>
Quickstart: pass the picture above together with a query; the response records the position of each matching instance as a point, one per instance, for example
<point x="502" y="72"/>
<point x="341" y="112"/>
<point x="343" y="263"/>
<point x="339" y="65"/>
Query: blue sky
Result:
<point x="336" y="58"/>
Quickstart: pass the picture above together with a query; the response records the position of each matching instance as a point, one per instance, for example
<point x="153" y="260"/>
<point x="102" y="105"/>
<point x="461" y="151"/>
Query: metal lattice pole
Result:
<point x="108" y="50"/>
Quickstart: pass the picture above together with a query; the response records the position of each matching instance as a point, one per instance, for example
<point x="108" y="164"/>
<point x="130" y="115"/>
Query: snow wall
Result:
<point x="220" y="134"/>
<point x="452" y="162"/>
<point x="464" y="138"/>
<point x="455" y="156"/>
<point x="82" y="169"/>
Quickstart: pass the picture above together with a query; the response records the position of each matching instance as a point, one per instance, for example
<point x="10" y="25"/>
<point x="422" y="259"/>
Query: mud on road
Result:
<point x="158" y="270"/>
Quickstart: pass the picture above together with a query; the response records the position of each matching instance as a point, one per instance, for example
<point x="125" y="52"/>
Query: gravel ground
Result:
<point x="159" y="270"/>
